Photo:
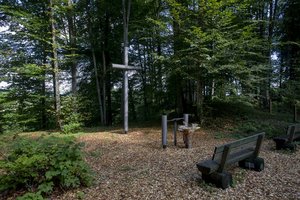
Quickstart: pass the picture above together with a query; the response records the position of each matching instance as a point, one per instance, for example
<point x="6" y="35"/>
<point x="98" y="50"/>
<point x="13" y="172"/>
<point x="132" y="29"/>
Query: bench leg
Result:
<point x="222" y="180"/>
<point x="257" y="164"/>
<point x="280" y="144"/>
<point x="291" y="146"/>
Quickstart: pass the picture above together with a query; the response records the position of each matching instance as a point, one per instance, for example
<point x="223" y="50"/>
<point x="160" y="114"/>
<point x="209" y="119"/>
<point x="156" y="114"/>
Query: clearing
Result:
<point x="134" y="166"/>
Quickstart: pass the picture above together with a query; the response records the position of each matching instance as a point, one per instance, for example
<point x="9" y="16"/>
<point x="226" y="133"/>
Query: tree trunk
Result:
<point x="97" y="85"/>
<point x="55" y="70"/>
<point x="144" y="84"/>
<point x="72" y="37"/>
<point x="43" y="92"/>
<point x="98" y="88"/>
<point x="199" y="100"/>
<point x="104" y="86"/>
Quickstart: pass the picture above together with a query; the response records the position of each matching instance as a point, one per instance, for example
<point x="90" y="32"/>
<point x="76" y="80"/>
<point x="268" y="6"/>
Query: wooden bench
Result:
<point x="244" y="152"/>
<point x="287" y="141"/>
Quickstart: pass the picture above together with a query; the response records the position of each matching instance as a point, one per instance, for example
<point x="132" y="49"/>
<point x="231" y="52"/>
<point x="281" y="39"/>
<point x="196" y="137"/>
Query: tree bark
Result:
<point x="98" y="88"/>
<point x="57" y="101"/>
<point x="199" y="100"/>
<point x="43" y="92"/>
<point x="72" y="38"/>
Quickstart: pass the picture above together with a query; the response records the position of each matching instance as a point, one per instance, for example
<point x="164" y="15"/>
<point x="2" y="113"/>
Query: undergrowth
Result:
<point x="38" y="166"/>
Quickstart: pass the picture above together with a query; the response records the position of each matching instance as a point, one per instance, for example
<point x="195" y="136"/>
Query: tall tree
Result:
<point x="55" y="67"/>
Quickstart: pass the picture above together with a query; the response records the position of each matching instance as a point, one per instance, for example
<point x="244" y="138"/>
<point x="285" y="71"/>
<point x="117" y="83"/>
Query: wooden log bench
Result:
<point x="287" y="141"/>
<point x="244" y="152"/>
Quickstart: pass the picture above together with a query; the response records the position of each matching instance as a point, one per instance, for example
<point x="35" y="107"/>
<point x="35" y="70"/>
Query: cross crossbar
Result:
<point x="128" y="67"/>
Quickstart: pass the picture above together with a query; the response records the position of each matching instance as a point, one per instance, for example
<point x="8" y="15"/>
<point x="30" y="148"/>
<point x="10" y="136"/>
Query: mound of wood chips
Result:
<point x="134" y="166"/>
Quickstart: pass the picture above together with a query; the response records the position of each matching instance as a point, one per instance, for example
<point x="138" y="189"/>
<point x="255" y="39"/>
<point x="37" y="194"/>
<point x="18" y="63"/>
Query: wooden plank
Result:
<point x="207" y="166"/>
<point x="239" y="156"/>
<point x="224" y="158"/>
<point x="239" y="142"/>
<point x="258" y="145"/>
<point x="128" y="67"/>
<point x="236" y="148"/>
<point x="175" y="119"/>
<point x="249" y="146"/>
<point x="291" y="133"/>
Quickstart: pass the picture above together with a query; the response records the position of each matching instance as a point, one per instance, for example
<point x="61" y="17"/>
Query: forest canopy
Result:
<point x="196" y="56"/>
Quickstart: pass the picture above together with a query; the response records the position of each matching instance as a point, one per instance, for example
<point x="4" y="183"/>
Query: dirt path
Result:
<point x="134" y="166"/>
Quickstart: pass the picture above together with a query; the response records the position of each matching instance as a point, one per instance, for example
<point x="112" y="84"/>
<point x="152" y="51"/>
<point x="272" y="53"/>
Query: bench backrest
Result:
<point x="238" y="150"/>
<point x="292" y="131"/>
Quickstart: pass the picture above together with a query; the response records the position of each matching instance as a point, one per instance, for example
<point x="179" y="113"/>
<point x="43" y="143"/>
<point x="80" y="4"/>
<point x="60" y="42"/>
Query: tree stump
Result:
<point x="187" y="138"/>
<point x="187" y="132"/>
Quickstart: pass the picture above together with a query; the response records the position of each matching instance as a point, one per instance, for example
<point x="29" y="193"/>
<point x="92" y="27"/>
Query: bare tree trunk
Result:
<point x="72" y="37"/>
<point x="272" y="11"/>
<point x="97" y="85"/>
<point x="107" y="72"/>
<point x="55" y="70"/>
<point x="104" y="87"/>
<point x="199" y="100"/>
<point x="95" y="69"/>
<point x="43" y="99"/>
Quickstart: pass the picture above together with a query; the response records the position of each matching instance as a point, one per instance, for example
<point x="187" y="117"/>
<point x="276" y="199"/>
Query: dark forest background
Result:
<point x="207" y="58"/>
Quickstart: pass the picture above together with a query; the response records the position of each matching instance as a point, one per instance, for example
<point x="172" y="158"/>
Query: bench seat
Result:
<point x="287" y="141"/>
<point x="244" y="152"/>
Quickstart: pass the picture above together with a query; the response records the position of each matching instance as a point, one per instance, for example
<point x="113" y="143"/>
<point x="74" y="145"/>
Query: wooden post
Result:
<point x="291" y="134"/>
<point x="295" y="112"/>
<point x="224" y="158"/>
<point x="164" y="130"/>
<point x="258" y="145"/>
<point x="125" y="106"/>
<point x="186" y="119"/>
<point x="175" y="133"/>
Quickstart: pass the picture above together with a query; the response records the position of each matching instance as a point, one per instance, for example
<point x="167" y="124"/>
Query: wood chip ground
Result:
<point x="134" y="166"/>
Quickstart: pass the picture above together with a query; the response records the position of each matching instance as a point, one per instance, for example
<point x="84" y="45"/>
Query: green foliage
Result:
<point x="43" y="164"/>
<point x="80" y="195"/>
<point x="230" y="107"/>
<point x="71" y="128"/>
<point x="31" y="196"/>
<point x="71" y="118"/>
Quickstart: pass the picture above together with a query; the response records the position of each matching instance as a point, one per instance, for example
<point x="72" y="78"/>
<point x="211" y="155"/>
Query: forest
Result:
<point x="232" y="65"/>
<point x="193" y="57"/>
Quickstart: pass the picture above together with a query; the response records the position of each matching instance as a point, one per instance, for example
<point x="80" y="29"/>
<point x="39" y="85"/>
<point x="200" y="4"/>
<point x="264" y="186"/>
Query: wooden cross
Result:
<point x="125" y="67"/>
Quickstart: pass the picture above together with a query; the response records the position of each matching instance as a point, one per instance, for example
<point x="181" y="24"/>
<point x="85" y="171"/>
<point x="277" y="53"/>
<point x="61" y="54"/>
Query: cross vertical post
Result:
<point x="125" y="117"/>
<point x="125" y="69"/>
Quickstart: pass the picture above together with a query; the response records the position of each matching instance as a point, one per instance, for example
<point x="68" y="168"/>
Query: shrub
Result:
<point x="71" y="128"/>
<point x="41" y="165"/>
<point x="229" y="107"/>
<point x="71" y="119"/>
